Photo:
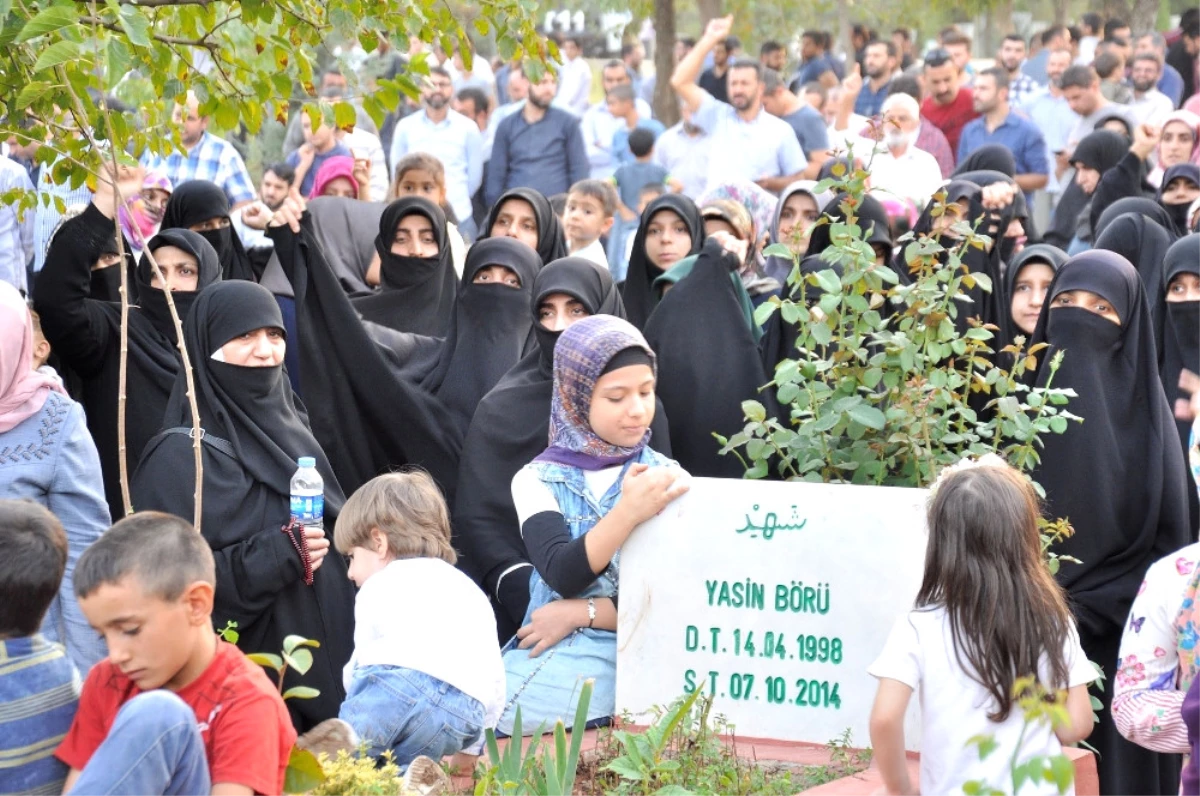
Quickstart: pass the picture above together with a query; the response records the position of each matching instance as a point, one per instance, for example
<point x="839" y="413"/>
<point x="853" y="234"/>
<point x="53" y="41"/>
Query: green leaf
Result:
<point x="301" y="660"/>
<point x="58" y="53"/>
<point x="344" y="115"/>
<point x="49" y="20"/>
<point x="273" y="662"/>
<point x="292" y="642"/>
<point x="303" y="772"/>
<point x="624" y="768"/>
<point x="31" y="93"/>
<point x="754" y="411"/>
<point x="829" y="281"/>
<point x="868" y="415"/>
<point x="821" y="333"/>
<point x="301" y="692"/>
<point x="1058" y="425"/>
<point x="1062" y="771"/>
<point x="134" y="22"/>
<point x="778" y="250"/>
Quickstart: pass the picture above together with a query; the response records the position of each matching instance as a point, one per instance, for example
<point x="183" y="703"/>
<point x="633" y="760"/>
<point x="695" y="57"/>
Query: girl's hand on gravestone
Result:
<point x="646" y="491"/>
<point x="550" y="624"/>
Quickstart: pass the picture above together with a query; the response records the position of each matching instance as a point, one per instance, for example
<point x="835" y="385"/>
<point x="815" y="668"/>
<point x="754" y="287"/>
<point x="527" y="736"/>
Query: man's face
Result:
<point x="273" y="190"/>
<point x="960" y="54"/>
<point x="613" y="76"/>
<point x="1059" y="62"/>
<point x="190" y="123"/>
<point x="776" y="60"/>
<point x="985" y="95"/>
<point x="1144" y="75"/>
<point x="541" y="94"/>
<point x="745" y="92"/>
<point x="720" y="54"/>
<point x="900" y="42"/>
<point x="436" y="92"/>
<point x="570" y="49"/>
<point x="681" y="50"/>
<point x="1145" y="44"/>
<point x="467" y="108"/>
<point x="900" y="118"/>
<point x="333" y="81"/>
<point x="878" y="63"/>
<point x="23" y="151"/>
<point x="942" y="82"/>
<point x="1012" y="53"/>
<point x="619" y="108"/>
<point x="518" y="85"/>
<point x="1083" y="101"/>
<point x="808" y="48"/>
<point x="635" y="56"/>
<point x="1123" y="38"/>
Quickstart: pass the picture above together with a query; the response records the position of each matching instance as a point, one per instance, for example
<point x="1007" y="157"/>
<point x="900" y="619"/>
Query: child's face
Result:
<point x="366" y="561"/>
<point x="623" y="405"/>
<point x="584" y="219"/>
<point x="418" y="182"/>
<point x="151" y="640"/>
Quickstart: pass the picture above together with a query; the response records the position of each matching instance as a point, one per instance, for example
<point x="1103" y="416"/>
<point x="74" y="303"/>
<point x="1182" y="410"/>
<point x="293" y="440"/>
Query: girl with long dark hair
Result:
<point x="988" y="613"/>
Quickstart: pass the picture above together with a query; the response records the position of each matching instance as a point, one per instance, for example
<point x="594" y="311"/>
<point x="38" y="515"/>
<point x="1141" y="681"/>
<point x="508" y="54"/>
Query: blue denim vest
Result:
<point x="547" y="687"/>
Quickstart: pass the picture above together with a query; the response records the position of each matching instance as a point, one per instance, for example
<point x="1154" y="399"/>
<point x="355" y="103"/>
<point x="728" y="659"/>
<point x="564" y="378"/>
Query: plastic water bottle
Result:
<point x="308" y="494"/>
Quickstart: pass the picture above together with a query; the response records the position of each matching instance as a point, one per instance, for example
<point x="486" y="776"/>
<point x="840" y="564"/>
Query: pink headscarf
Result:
<point x="23" y="390"/>
<point x="139" y="221"/>
<point x="1193" y="122"/>
<point x="336" y="166"/>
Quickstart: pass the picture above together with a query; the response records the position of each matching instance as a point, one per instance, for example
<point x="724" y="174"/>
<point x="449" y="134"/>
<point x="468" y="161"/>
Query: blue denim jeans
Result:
<point x="154" y="746"/>
<point x="411" y="713"/>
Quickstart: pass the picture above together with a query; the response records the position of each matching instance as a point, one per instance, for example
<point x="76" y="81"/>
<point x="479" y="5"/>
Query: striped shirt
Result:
<point x="39" y="694"/>
<point x="213" y="159"/>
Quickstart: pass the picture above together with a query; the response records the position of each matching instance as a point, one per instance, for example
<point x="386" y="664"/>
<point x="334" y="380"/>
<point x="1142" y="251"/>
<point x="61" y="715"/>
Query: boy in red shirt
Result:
<point x="172" y="709"/>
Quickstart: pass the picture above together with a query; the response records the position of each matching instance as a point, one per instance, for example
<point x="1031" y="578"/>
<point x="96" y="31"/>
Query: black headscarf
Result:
<point x="1100" y="150"/>
<point x="705" y="348"/>
<point x="638" y="290"/>
<point x="989" y="157"/>
<point x="1118" y="477"/>
<point x="489" y="332"/>
<point x="416" y="294"/>
<point x="151" y="299"/>
<point x="1178" y="213"/>
<point x="346" y="228"/>
<point x="1144" y="244"/>
<point x="197" y="201"/>
<point x="1142" y="205"/>
<point x="1181" y="332"/>
<point x="1042" y="253"/>
<point x="1005" y="215"/>
<point x="367" y="419"/>
<point x="260" y="583"/>
<point x="552" y="244"/>
<point x="509" y="429"/>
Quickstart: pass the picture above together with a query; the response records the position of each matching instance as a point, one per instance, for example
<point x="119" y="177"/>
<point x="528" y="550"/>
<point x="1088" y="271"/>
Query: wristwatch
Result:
<point x="591" y="611"/>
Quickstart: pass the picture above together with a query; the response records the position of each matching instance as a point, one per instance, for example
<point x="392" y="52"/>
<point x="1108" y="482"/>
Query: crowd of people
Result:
<point x="503" y="328"/>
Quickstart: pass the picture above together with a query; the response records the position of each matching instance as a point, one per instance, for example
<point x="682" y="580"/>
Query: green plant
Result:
<point x="294" y="657"/>
<point x="514" y="772"/>
<point x="229" y="632"/>
<point x="645" y="760"/>
<point x="881" y="387"/>
<point x="359" y="774"/>
<point x="1038" y="708"/>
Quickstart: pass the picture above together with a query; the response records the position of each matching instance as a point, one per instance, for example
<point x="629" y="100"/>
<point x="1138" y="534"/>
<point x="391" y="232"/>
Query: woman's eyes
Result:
<point x="1021" y="288"/>
<point x="579" y="312"/>
<point x="275" y="334"/>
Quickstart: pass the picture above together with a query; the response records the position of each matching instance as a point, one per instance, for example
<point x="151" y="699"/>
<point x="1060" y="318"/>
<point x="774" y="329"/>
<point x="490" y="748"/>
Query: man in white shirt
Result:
<point x="452" y="138"/>
<point x="598" y="125"/>
<point x="1149" y="105"/>
<point x="902" y="170"/>
<point x="574" y="78"/>
<point x="752" y="144"/>
<point x="16" y="234"/>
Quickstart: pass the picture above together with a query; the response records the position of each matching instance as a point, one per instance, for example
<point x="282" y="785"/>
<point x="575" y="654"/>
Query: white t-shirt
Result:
<point x="400" y="618"/>
<point x="594" y="251"/>
<point x="920" y="653"/>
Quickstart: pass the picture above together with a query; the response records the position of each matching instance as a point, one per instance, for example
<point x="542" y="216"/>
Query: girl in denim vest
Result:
<point x="577" y="503"/>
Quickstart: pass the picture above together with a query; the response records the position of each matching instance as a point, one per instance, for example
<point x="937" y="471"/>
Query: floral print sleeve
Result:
<point x="1146" y="698"/>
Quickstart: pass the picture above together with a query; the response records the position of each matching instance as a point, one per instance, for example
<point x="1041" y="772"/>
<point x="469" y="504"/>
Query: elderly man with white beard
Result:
<point x="898" y="168"/>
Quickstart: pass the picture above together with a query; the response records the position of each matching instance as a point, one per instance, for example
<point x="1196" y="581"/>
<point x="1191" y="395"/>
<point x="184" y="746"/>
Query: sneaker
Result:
<point x="329" y="737"/>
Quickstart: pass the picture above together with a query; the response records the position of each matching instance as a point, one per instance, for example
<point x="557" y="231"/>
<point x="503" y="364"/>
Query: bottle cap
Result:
<point x="308" y="461"/>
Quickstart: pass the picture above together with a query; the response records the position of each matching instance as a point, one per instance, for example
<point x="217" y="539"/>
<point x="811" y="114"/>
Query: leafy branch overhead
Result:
<point x="246" y="60"/>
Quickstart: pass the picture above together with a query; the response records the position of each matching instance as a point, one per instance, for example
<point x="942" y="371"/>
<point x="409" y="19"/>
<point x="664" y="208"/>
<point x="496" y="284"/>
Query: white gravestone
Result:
<point x="775" y="597"/>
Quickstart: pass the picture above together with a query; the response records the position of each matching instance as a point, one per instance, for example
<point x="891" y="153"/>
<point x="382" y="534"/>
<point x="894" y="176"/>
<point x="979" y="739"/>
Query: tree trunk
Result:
<point x="1061" y="7"/>
<point x="1144" y="16"/>
<point x="709" y="9"/>
<point x="1115" y="9"/>
<point x="666" y="107"/>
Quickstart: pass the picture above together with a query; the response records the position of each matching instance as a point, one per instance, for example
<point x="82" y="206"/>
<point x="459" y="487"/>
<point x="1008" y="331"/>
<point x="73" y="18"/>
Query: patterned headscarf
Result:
<point x="139" y="221"/>
<point x="584" y="349"/>
<point x="758" y="202"/>
<point x="1187" y="623"/>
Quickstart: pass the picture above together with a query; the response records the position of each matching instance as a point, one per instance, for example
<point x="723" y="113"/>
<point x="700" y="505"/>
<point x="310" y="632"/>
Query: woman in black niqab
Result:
<point x="708" y="364"/>
<point x="1178" y="211"/>
<point x="197" y="201"/>
<point x="638" y="291"/>
<point x="552" y="243"/>
<point x="253" y="436"/>
<point x="508" y="430"/>
<point x="85" y="333"/>
<point x="416" y="294"/>
<point x="489" y="333"/>
<point x="1180" y="336"/>
<point x="1118" y="477"/>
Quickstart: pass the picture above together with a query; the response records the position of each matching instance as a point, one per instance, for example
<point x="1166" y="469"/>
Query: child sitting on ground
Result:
<point x="988" y="612"/>
<point x="39" y="687"/>
<point x="589" y="216"/>
<point x="415" y="685"/>
<point x="173" y="709"/>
